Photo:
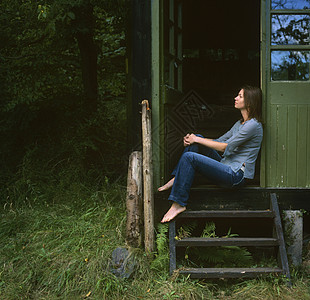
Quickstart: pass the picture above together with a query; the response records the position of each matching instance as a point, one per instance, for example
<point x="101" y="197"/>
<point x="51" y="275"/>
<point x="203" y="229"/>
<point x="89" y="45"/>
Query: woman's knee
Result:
<point x="189" y="156"/>
<point x="191" y="148"/>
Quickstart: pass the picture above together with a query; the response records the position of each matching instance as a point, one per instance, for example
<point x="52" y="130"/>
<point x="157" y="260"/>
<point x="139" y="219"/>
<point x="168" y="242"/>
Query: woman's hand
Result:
<point x="185" y="141"/>
<point x="189" y="139"/>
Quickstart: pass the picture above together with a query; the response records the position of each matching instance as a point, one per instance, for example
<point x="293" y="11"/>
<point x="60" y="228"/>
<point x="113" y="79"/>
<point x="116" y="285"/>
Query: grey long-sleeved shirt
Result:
<point x="243" y="144"/>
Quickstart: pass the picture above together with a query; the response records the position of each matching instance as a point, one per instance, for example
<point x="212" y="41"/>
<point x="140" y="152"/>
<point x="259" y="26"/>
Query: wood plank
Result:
<point x="248" y="198"/>
<point x="156" y="88"/>
<point x="148" y="194"/>
<point x="282" y="145"/>
<point x="291" y="158"/>
<point x="172" y="248"/>
<point x="228" y="272"/>
<point x="279" y="235"/>
<point x="288" y="92"/>
<point x="302" y="145"/>
<point x="180" y="47"/>
<point x="308" y="150"/>
<point x="266" y="141"/>
<point x="263" y="75"/>
<point x="273" y="147"/>
<point x="227" y="214"/>
<point x="171" y="43"/>
<point x="204" y="242"/>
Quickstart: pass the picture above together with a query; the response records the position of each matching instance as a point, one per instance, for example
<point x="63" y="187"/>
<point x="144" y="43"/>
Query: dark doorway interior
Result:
<point x="221" y="52"/>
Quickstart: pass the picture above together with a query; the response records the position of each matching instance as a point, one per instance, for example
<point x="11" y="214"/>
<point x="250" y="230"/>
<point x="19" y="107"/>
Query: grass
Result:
<point x="63" y="250"/>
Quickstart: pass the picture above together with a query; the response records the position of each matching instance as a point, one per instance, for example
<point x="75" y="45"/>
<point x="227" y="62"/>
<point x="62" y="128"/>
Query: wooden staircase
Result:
<point x="277" y="241"/>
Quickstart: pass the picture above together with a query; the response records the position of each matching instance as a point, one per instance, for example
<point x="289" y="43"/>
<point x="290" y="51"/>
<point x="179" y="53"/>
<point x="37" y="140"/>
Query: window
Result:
<point x="290" y="40"/>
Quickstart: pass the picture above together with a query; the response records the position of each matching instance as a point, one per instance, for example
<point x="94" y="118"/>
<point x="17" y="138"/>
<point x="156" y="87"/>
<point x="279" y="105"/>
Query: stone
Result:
<point x="123" y="263"/>
<point x="293" y="224"/>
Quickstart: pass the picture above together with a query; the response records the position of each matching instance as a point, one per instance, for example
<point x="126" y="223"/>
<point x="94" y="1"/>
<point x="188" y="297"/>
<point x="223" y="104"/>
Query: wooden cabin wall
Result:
<point x="287" y="135"/>
<point x="288" y="145"/>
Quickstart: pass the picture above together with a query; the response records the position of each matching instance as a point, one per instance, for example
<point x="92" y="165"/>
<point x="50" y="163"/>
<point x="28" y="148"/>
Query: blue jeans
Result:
<point x="206" y="161"/>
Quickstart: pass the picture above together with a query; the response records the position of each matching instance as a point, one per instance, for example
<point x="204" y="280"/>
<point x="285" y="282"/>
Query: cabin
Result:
<point x="190" y="58"/>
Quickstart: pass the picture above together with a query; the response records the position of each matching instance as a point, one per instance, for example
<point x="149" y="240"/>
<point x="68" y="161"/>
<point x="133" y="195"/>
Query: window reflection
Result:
<point x="290" y="65"/>
<point x="290" y="30"/>
<point x="290" y="4"/>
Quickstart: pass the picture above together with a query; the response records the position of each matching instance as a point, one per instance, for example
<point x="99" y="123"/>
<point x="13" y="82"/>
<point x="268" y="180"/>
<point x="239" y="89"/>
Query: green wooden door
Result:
<point x="167" y="71"/>
<point x="173" y="81"/>
<point x="285" y="74"/>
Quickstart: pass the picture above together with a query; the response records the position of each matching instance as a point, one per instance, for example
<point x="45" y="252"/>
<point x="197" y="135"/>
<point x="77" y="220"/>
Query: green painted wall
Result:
<point x="286" y="147"/>
<point x="287" y="135"/>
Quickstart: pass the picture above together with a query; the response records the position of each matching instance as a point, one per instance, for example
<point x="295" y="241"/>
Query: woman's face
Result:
<point x="239" y="100"/>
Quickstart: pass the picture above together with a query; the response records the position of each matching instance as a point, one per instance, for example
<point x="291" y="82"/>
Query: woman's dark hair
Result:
<point x="253" y="101"/>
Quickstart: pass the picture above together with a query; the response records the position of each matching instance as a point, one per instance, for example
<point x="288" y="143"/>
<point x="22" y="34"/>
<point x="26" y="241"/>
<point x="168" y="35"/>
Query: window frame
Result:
<point x="270" y="48"/>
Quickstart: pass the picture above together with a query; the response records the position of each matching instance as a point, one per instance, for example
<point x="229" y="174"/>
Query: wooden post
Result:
<point x="147" y="179"/>
<point x="134" y="222"/>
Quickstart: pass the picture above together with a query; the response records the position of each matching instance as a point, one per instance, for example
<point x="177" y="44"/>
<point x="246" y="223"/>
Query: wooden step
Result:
<point x="204" y="242"/>
<point x="228" y="214"/>
<point x="260" y="215"/>
<point x="228" y="272"/>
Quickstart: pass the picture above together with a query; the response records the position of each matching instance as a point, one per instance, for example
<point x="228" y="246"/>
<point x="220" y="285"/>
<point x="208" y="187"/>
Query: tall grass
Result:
<point x="62" y="250"/>
<point x="59" y="249"/>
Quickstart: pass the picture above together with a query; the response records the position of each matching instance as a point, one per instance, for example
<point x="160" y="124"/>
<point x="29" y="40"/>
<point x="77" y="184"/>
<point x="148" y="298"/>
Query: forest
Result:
<point x="63" y="94"/>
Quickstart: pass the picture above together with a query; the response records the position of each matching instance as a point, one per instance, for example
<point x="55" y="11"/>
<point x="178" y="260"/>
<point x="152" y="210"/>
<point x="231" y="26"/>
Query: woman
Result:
<point x="240" y="147"/>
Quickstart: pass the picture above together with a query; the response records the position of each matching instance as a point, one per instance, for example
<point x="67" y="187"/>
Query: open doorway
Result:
<point x="220" y="53"/>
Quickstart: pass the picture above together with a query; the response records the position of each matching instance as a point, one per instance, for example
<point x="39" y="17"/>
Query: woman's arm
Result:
<point x="192" y="138"/>
<point x="250" y="130"/>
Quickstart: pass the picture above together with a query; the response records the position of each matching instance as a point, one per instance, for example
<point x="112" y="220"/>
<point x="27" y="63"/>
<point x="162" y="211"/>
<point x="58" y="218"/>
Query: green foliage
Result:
<point x="186" y="230"/>
<point x="161" y="261"/>
<point x="209" y="230"/>
<point x="231" y="256"/>
<point x="162" y="239"/>
<point x="227" y="256"/>
<point x="41" y="58"/>
<point x="63" y="248"/>
<point x="49" y="131"/>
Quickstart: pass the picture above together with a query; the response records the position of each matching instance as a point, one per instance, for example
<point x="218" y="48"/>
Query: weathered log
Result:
<point x="148" y="196"/>
<point x="134" y="230"/>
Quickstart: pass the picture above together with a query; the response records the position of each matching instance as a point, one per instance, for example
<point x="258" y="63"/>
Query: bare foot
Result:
<point x="174" y="210"/>
<point x="166" y="186"/>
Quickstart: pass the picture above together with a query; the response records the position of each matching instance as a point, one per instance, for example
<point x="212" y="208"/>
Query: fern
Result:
<point x="223" y="256"/>
<point x="217" y="256"/>
<point x="186" y="230"/>
<point x="220" y="256"/>
<point x="209" y="230"/>
<point x="161" y="261"/>
<point x="162" y="239"/>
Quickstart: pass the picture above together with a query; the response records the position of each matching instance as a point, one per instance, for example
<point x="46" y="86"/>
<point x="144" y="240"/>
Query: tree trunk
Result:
<point x="134" y="201"/>
<point x="88" y="51"/>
